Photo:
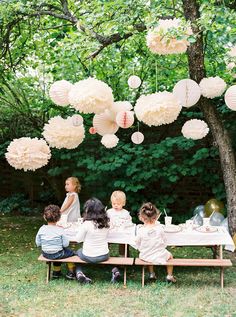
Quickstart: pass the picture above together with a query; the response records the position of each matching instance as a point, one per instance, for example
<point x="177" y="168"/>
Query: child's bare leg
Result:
<point x="169" y="269"/>
<point x="151" y="269"/>
<point x="170" y="278"/>
<point x="152" y="275"/>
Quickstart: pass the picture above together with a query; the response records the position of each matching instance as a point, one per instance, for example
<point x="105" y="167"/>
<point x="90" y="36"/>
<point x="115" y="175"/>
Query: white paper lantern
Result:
<point x="231" y="65"/>
<point x="110" y="140"/>
<point x="230" y="97"/>
<point x="59" y="92"/>
<point x="137" y="137"/>
<point x="125" y="119"/>
<point x="195" y="129"/>
<point x="134" y="81"/>
<point x="77" y="120"/>
<point x="232" y="52"/>
<point x="61" y="133"/>
<point x="212" y="87"/>
<point x="28" y="154"/>
<point x="188" y="92"/>
<point x="104" y="123"/>
<point x="157" y="109"/>
<point x="121" y="106"/>
<point x="91" y="96"/>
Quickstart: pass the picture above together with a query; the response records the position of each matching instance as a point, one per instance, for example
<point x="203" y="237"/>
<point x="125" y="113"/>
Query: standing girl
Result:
<point x="151" y="241"/>
<point x="71" y="204"/>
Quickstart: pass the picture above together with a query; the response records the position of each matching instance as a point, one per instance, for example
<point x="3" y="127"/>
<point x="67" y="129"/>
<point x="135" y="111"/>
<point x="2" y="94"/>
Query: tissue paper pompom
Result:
<point x="137" y="137"/>
<point x="59" y="92"/>
<point x="125" y="119"/>
<point x="121" y="106"/>
<point x="91" y="96"/>
<point x="230" y="97"/>
<point x="212" y="87"/>
<point x="195" y="129"/>
<point x="77" y="120"/>
<point x="161" y="41"/>
<point x="134" y="81"/>
<point x="157" y="109"/>
<point x="104" y="123"/>
<point x="61" y="133"/>
<point x="188" y="92"/>
<point x="232" y="52"/>
<point x="28" y="154"/>
<point x="92" y="130"/>
<point x="109" y="140"/>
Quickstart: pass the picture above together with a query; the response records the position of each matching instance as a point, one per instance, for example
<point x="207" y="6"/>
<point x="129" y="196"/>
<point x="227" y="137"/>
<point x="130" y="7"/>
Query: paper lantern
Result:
<point x="91" y="96"/>
<point x="61" y="133"/>
<point x="157" y="109"/>
<point x="125" y="119"/>
<point x="231" y="65"/>
<point x="230" y="97"/>
<point x="212" y="87"/>
<point x="109" y="140"/>
<point x="161" y="40"/>
<point x="92" y="130"/>
<point x="104" y="123"/>
<point x="28" y="154"/>
<point x="195" y="129"/>
<point x="121" y="106"/>
<point x="77" y="120"/>
<point x="137" y="137"/>
<point x="59" y="92"/>
<point x="134" y="81"/>
<point x="232" y="52"/>
<point x="188" y="92"/>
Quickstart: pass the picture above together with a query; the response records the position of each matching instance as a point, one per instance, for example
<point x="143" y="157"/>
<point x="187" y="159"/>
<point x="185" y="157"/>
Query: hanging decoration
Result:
<point x="77" y="120"/>
<point x="92" y="130"/>
<point x="105" y="123"/>
<point x="188" y="92"/>
<point x="212" y="87"/>
<point x="232" y="52"/>
<point x="61" y="133"/>
<point x="121" y="106"/>
<point x="91" y="96"/>
<point x="195" y="129"/>
<point x="110" y="140"/>
<point x="169" y="37"/>
<point x="125" y="119"/>
<point x="158" y="108"/>
<point x="134" y="81"/>
<point x="28" y="154"/>
<point x="59" y="92"/>
<point x="137" y="137"/>
<point x="230" y="97"/>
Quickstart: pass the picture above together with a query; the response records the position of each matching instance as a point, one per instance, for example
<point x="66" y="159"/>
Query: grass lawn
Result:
<point x="23" y="291"/>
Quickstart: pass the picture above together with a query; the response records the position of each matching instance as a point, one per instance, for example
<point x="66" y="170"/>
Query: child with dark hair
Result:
<point x="93" y="233"/>
<point x="151" y="241"/>
<point x="53" y="241"/>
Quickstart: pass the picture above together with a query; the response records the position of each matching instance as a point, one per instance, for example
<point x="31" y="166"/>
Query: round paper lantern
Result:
<point x="232" y="52"/>
<point x="157" y="109"/>
<point x="61" y="133"/>
<point x="212" y="87"/>
<point x="188" y="92"/>
<point x="195" y="129"/>
<point x="134" y="81"/>
<point x="231" y="65"/>
<point x="77" y="120"/>
<point x="59" y="92"/>
<point x="28" y="154"/>
<point x="163" y="39"/>
<point x="121" y="106"/>
<point x="125" y="119"/>
<point x="104" y="123"/>
<point x="109" y="140"/>
<point x="137" y="137"/>
<point x="91" y="96"/>
<point x="230" y="97"/>
<point x="92" y="130"/>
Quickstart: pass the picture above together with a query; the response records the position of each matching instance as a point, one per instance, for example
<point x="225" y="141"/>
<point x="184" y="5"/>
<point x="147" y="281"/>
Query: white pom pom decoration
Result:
<point x="77" y="120"/>
<point x="61" y="133"/>
<point x="212" y="87"/>
<point x="110" y="140"/>
<point x="137" y="137"/>
<point x="104" y="123"/>
<point x="134" y="81"/>
<point x="188" y="92"/>
<point x="28" y="154"/>
<point x="195" y="129"/>
<point x="230" y="97"/>
<point x="59" y="92"/>
<point x="91" y="96"/>
<point x="232" y="52"/>
<point x="157" y="109"/>
<point x="125" y="119"/>
<point x="121" y="106"/>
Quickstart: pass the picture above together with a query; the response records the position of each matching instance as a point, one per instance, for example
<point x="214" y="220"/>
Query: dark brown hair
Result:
<point x="95" y="211"/>
<point x="52" y="213"/>
<point x="148" y="212"/>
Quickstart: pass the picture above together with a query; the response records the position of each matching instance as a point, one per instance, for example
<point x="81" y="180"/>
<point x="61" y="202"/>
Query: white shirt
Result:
<point x="73" y="212"/>
<point x="120" y="218"/>
<point x="94" y="239"/>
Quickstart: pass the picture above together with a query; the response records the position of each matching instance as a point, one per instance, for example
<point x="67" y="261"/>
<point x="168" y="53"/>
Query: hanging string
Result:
<point x="133" y="69"/>
<point x="156" y="76"/>
<point x="138" y="126"/>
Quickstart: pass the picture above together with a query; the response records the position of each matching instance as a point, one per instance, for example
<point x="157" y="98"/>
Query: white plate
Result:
<point x="206" y="229"/>
<point x="172" y="228"/>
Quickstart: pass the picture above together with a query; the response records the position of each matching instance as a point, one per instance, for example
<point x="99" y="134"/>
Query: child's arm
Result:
<point x="81" y="233"/>
<point x="38" y="240"/>
<point x="68" y="203"/>
<point x="65" y="241"/>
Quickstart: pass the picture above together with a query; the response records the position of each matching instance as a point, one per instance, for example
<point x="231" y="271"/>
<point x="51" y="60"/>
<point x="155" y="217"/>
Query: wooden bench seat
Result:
<point x="222" y="263"/>
<point x="75" y="259"/>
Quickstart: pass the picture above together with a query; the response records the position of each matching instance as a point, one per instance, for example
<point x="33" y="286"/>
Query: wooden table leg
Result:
<point x="221" y="252"/>
<point x="125" y="276"/>
<point x="222" y="277"/>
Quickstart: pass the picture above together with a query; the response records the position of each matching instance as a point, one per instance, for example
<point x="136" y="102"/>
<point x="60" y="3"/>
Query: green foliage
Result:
<point x="16" y="202"/>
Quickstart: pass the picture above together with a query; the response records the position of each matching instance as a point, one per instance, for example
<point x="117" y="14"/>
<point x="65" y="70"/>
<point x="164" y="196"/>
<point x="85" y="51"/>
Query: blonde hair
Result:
<point x="120" y="196"/>
<point x="75" y="182"/>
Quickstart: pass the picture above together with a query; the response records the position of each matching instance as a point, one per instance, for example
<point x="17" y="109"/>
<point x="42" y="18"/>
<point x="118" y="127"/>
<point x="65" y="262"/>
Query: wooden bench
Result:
<point x="222" y="263"/>
<point x="75" y="259"/>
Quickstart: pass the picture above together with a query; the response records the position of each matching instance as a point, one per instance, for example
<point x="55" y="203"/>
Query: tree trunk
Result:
<point x="220" y="135"/>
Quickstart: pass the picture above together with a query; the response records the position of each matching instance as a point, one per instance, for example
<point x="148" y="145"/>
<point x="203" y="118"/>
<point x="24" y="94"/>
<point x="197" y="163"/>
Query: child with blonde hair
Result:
<point x="151" y="241"/>
<point x="71" y="204"/>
